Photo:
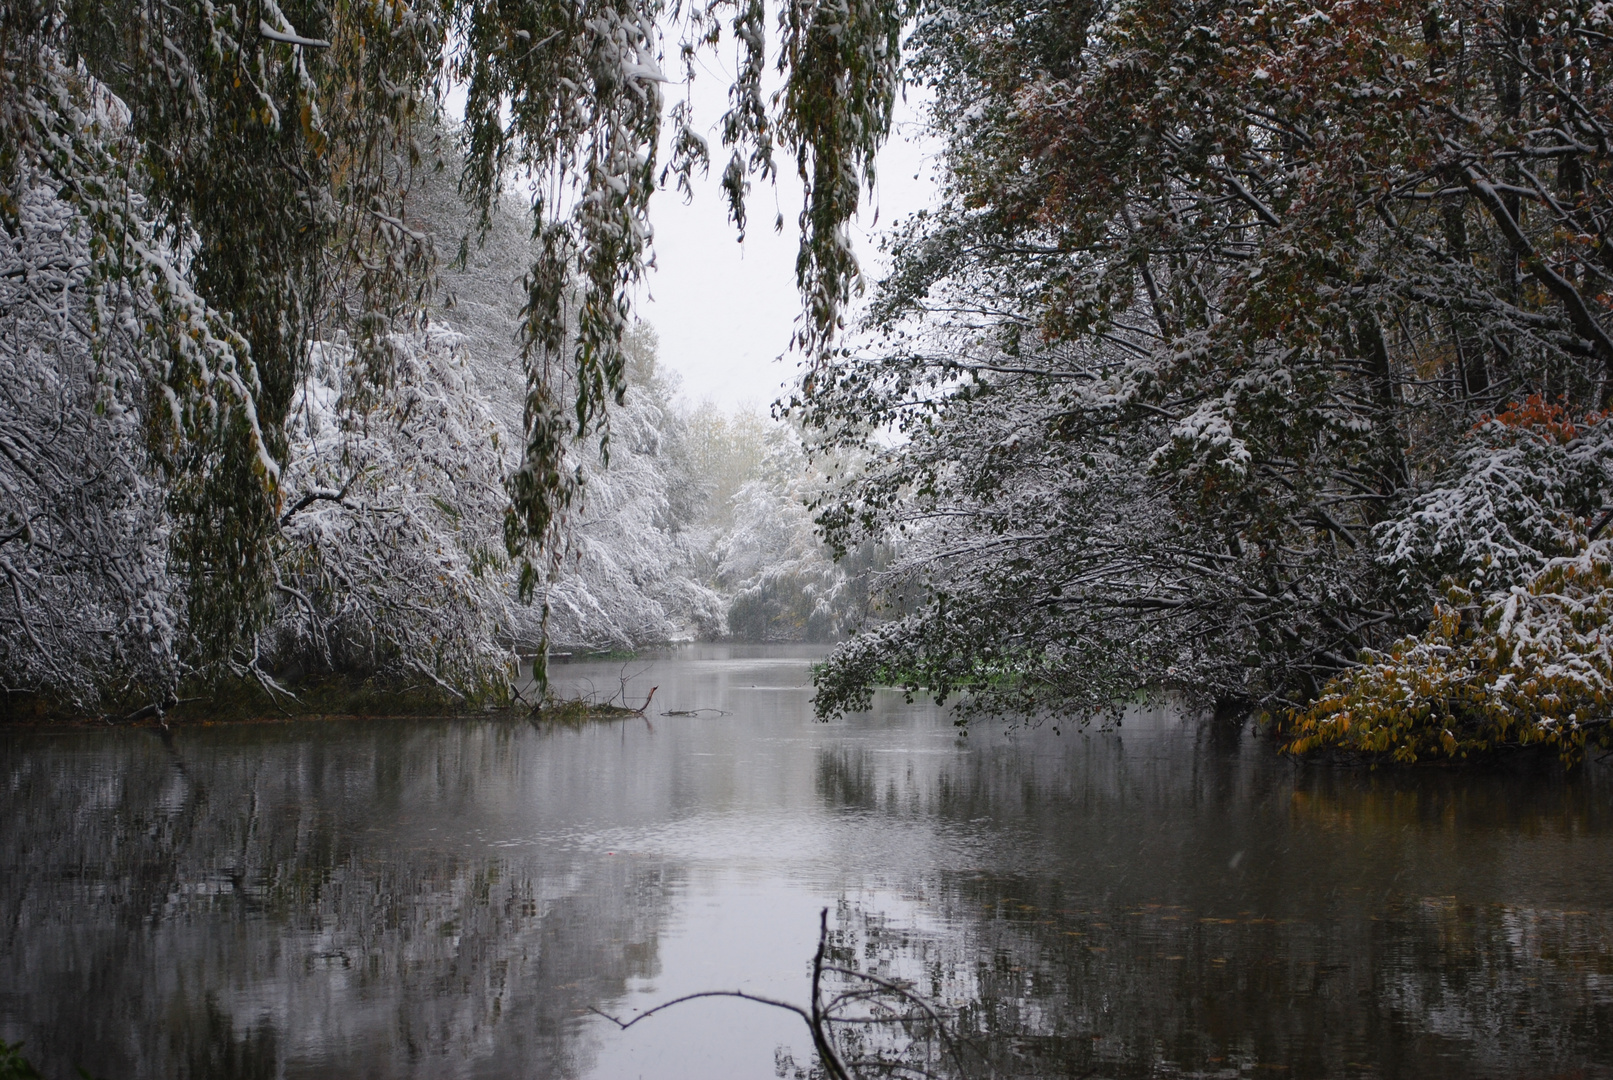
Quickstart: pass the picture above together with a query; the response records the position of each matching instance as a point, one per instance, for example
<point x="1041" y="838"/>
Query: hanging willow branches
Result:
<point x="242" y="175"/>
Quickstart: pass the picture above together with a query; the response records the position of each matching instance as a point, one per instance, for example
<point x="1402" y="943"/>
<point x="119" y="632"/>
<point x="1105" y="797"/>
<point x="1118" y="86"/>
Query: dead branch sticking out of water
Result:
<point x="872" y="999"/>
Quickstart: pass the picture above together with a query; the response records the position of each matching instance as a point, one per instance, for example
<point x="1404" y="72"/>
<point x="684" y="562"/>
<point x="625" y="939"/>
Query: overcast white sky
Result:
<point x="724" y="311"/>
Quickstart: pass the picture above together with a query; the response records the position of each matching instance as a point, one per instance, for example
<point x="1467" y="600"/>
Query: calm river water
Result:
<point x="451" y="899"/>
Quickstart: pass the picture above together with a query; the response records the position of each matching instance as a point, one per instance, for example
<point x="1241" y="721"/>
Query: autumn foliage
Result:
<point x="1528" y="666"/>
<point x="1551" y="420"/>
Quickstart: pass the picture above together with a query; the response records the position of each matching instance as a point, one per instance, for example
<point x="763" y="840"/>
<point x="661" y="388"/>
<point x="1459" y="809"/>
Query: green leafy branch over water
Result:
<point x="13" y="1066"/>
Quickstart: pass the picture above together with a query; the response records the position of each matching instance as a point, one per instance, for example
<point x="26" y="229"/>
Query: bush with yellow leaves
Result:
<point x="1528" y="666"/>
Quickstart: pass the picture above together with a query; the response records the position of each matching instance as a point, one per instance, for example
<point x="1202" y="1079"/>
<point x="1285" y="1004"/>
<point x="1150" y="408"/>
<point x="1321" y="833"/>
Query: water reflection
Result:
<point x="1179" y="901"/>
<point x="245" y="900"/>
<point x="452" y="898"/>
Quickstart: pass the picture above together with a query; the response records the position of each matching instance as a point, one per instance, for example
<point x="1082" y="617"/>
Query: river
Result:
<point x="455" y="898"/>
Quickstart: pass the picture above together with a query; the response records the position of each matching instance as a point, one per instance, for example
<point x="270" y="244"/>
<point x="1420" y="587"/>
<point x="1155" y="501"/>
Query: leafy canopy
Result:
<point x="1195" y="341"/>
<point x="245" y="170"/>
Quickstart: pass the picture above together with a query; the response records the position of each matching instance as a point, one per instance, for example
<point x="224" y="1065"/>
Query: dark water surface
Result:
<point x="450" y="899"/>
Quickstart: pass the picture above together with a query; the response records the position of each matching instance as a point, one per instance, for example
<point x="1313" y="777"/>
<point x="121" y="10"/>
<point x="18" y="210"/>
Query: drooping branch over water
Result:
<point x="238" y="185"/>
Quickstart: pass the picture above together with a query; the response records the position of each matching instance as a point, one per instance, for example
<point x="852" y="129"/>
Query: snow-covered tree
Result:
<point x="783" y="580"/>
<point x="624" y="567"/>
<point x="249" y="293"/>
<point x="89" y="615"/>
<point x="1185" y="364"/>
<point x="627" y="570"/>
<point x="391" y="559"/>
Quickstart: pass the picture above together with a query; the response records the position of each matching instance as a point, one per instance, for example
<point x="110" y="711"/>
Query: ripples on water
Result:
<point x="450" y="899"/>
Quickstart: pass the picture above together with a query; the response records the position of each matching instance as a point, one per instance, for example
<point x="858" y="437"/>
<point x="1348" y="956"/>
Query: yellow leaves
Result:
<point x="310" y="130"/>
<point x="1534" y="669"/>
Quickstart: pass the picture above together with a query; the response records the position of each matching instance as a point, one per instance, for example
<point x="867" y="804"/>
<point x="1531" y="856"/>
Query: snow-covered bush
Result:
<point x="1532" y="664"/>
<point x="1518" y="649"/>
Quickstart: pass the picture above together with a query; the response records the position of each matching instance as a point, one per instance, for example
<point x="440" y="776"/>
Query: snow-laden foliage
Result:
<point x="1035" y="563"/>
<point x="389" y="558"/>
<point x="627" y="571"/>
<point x="699" y="527"/>
<point x="88" y="611"/>
<point x="391" y="563"/>
<point x="231" y="279"/>
<point x="1529" y="665"/>
<point x="1200" y="373"/>
<point x="629" y="564"/>
<point x="772" y="560"/>
<point x="1524" y="488"/>
<point x="646" y="553"/>
<point x="249" y="181"/>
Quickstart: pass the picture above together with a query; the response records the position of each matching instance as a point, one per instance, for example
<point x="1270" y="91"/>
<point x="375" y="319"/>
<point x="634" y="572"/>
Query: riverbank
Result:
<point x="246" y="702"/>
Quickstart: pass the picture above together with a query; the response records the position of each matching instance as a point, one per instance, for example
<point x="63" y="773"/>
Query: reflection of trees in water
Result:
<point x="249" y="912"/>
<point x="209" y="1046"/>
<point x="1057" y="992"/>
<point x="1040" y="990"/>
<point x="1152" y="908"/>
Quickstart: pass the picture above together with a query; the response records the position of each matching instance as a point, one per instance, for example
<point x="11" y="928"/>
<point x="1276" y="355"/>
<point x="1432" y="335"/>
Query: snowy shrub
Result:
<point x="1532" y="664"/>
<point x="1513" y="522"/>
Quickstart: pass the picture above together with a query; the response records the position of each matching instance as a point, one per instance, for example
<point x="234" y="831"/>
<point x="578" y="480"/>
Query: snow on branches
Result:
<point x="390" y="563"/>
<point x="89" y="614"/>
<point x="627" y="570"/>
<point x="1231" y="338"/>
<point x="771" y="560"/>
<point x="1531" y="665"/>
<point x="1525" y="487"/>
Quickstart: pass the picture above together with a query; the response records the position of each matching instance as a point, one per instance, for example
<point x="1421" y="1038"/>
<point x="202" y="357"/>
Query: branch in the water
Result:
<point x="625" y="1024"/>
